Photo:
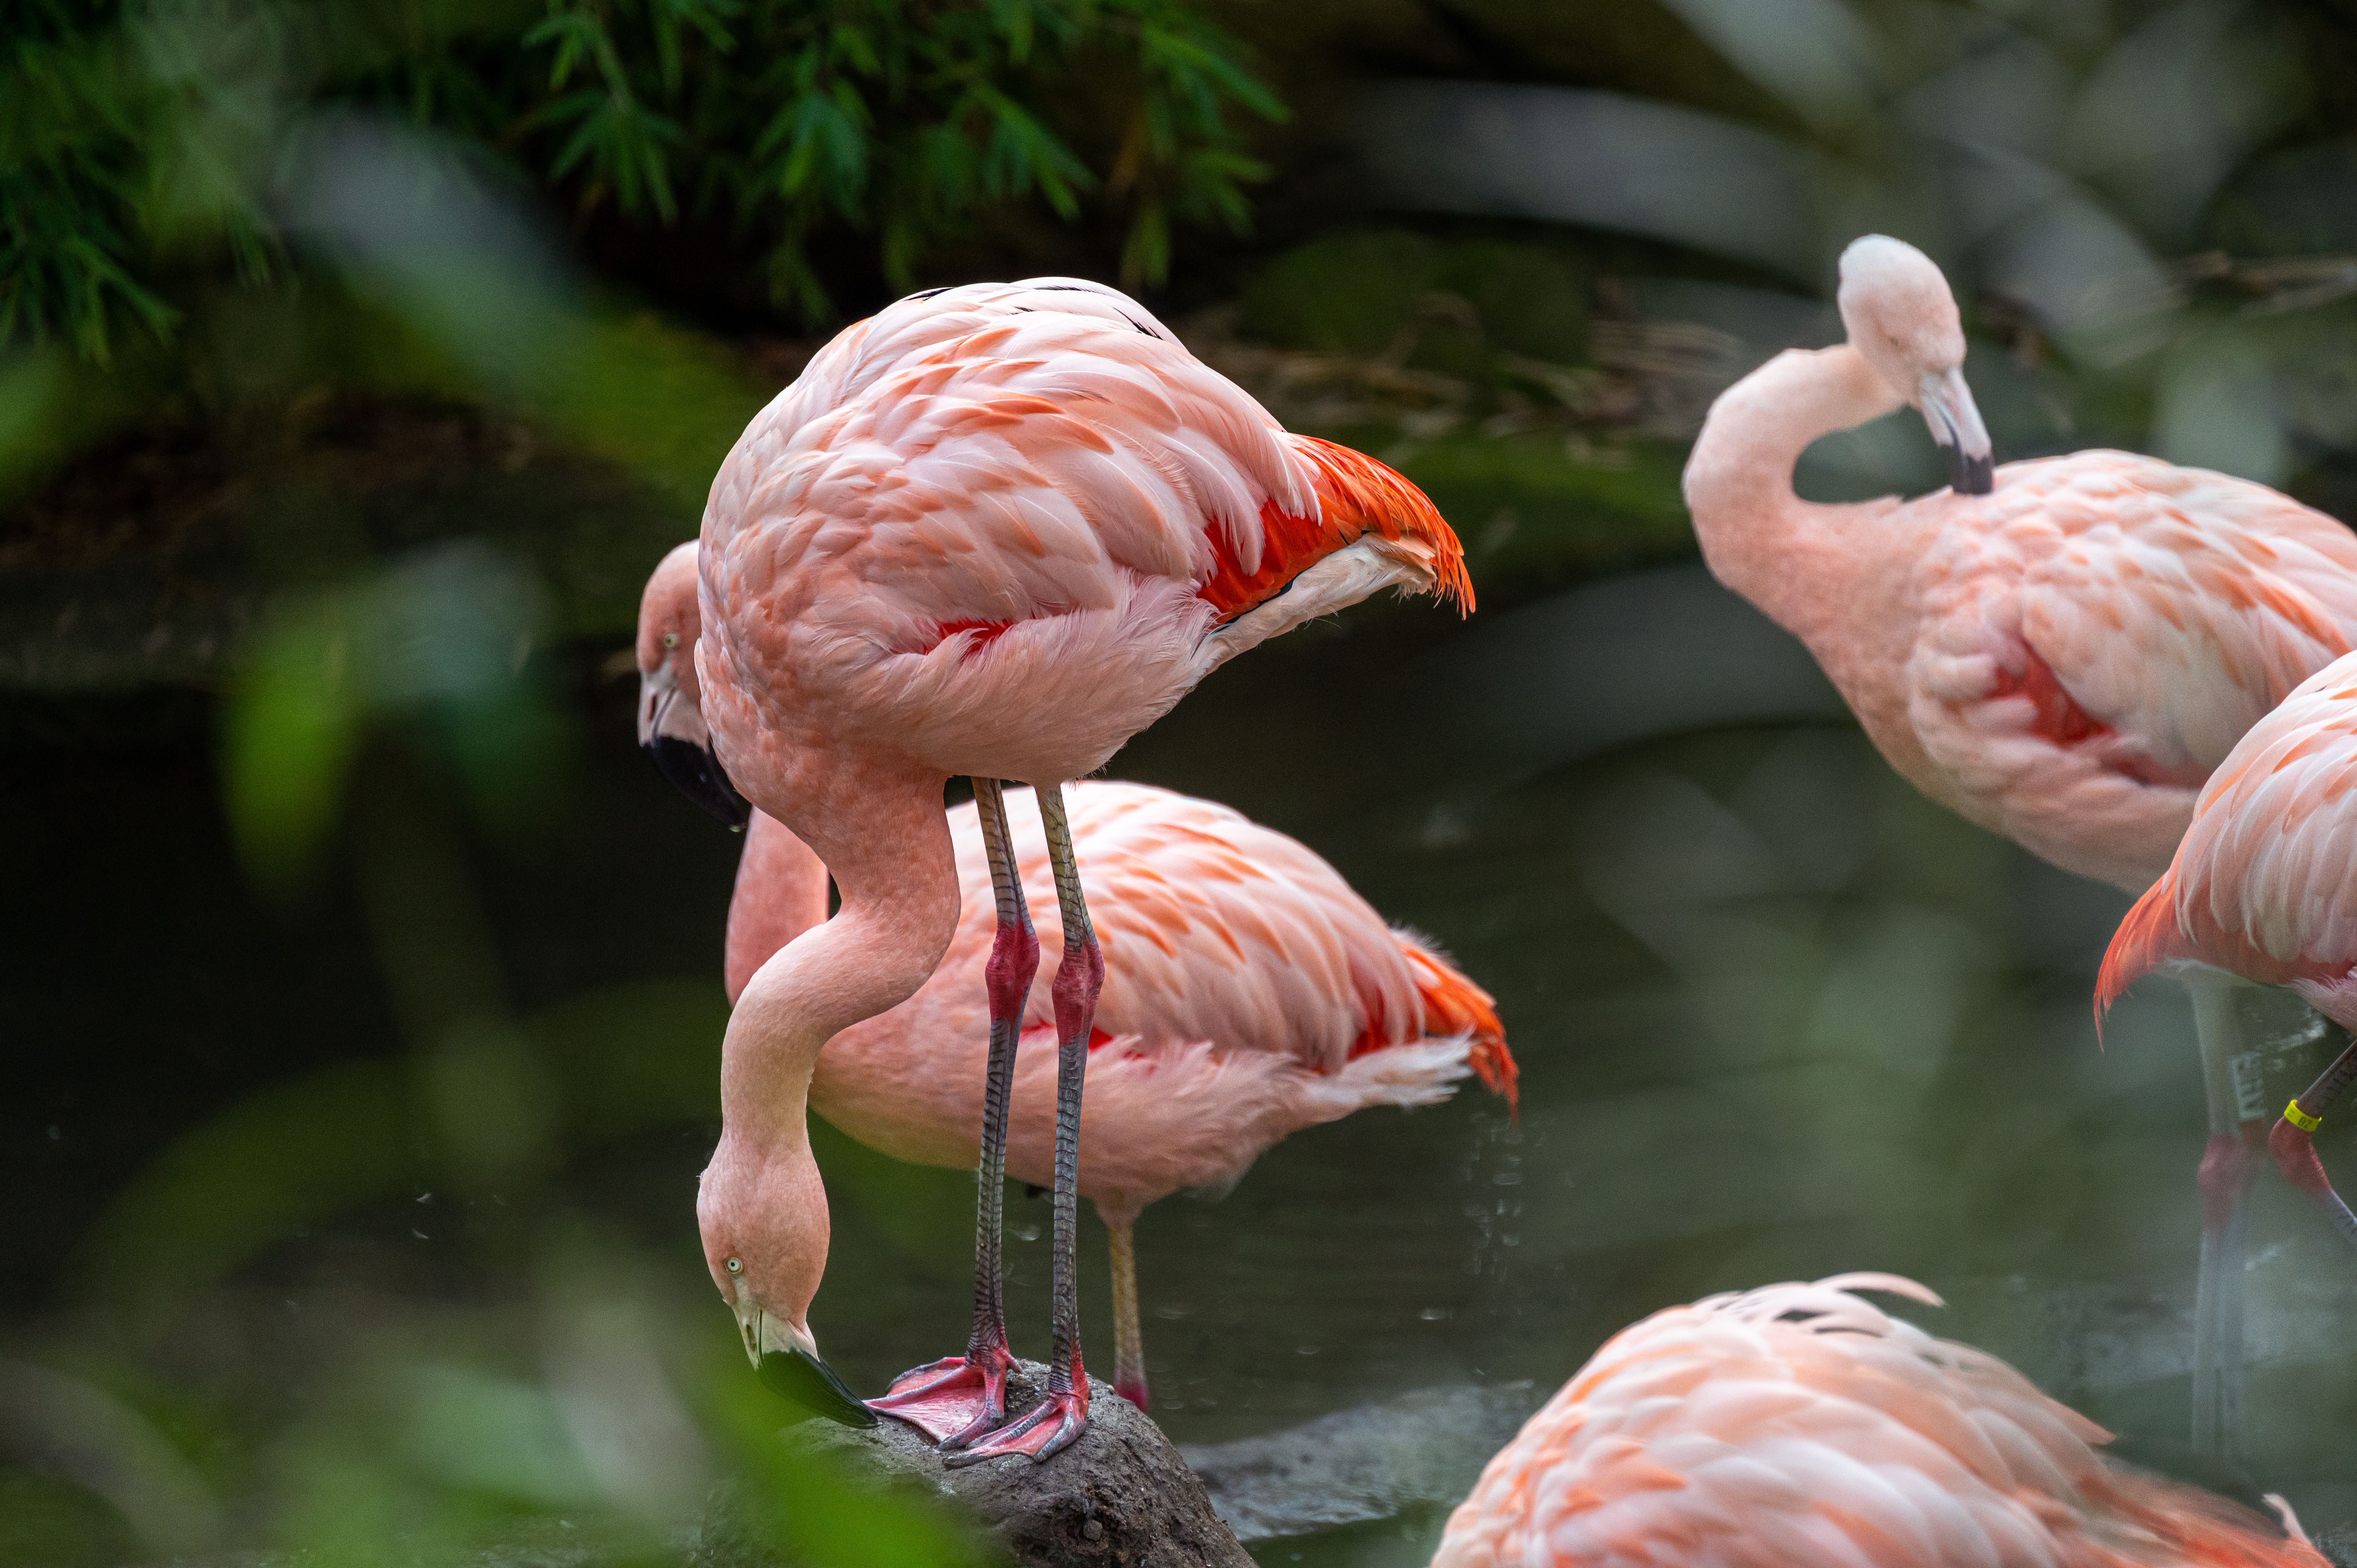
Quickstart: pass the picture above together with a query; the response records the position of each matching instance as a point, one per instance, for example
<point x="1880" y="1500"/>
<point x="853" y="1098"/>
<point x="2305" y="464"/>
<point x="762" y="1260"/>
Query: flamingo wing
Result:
<point x="1029" y="493"/>
<point x="991" y="454"/>
<point x="2260" y="884"/>
<point x="1217" y="928"/>
<point x="2173" y="607"/>
<point x="1798" y="1423"/>
<point x="2104" y="628"/>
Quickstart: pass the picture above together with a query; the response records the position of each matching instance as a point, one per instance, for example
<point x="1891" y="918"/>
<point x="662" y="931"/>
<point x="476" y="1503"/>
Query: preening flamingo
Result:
<point x="1249" y="993"/>
<point x="2059" y="649"/>
<point x="995" y="531"/>
<point x="2265" y="886"/>
<point x="1796" y="1425"/>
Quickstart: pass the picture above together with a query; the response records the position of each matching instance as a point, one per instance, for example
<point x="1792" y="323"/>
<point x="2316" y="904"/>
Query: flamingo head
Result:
<point x="671" y="720"/>
<point x="1902" y="317"/>
<point x="763" y="1216"/>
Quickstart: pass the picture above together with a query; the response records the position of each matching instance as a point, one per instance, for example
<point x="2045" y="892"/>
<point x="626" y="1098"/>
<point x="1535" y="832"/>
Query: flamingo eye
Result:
<point x="671" y="640"/>
<point x="735" y="1265"/>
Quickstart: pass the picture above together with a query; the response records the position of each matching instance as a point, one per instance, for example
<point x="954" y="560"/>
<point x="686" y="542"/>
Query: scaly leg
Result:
<point x="2295" y="1150"/>
<point x="1128" y="1346"/>
<point x="1059" y="1420"/>
<point x="956" y="1400"/>
<point x="2230" y="1086"/>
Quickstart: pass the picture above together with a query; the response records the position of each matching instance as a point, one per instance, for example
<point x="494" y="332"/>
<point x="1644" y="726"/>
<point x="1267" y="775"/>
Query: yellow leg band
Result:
<point x="2301" y="1119"/>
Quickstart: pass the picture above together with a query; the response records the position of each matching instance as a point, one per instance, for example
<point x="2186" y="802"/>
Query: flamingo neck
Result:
<point x="1796" y="560"/>
<point x="780" y="893"/>
<point x="888" y="842"/>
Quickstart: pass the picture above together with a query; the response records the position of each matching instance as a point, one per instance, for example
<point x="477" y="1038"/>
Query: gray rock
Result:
<point x="1374" y="1462"/>
<point x="1119" y="1498"/>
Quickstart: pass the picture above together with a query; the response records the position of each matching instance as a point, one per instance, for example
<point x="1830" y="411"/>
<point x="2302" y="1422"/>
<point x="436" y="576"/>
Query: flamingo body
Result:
<point x="2063" y="660"/>
<point x="1798" y="1426"/>
<point x="1023" y="499"/>
<point x="2061" y="651"/>
<point x="995" y="530"/>
<point x="2098" y="632"/>
<point x="2260" y="886"/>
<point x="1249" y="993"/>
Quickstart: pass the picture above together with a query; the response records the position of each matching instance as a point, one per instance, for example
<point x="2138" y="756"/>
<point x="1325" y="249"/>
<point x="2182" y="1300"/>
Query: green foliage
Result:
<point x="139" y="143"/>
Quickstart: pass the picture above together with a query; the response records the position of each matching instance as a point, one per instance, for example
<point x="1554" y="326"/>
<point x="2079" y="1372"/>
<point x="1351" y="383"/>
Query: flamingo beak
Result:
<point x="1955" y="422"/>
<point x="789" y="1365"/>
<point x="672" y="734"/>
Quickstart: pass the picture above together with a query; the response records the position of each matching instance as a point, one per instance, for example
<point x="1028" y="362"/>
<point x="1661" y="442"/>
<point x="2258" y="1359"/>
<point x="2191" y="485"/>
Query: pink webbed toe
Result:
<point x="952" y="1401"/>
<point x="1043" y="1431"/>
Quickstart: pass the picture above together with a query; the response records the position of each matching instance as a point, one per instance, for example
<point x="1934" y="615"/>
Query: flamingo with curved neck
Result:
<point x="993" y="530"/>
<point x="2061" y="651"/>
<point x="1250" y="993"/>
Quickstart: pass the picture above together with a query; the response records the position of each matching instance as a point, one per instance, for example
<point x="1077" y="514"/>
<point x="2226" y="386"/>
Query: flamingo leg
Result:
<point x="2229" y="1087"/>
<point x="1128" y="1346"/>
<point x="956" y="1400"/>
<point x="1059" y="1420"/>
<point x="2293" y="1143"/>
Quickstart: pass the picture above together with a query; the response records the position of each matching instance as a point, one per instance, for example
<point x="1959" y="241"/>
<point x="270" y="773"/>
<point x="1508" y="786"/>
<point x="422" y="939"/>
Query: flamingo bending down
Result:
<point x="2261" y="887"/>
<point x="1797" y="1424"/>
<point x="2060" y="650"/>
<point x="1250" y="993"/>
<point x="995" y="531"/>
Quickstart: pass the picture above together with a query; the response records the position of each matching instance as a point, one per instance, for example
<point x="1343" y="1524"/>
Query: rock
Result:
<point x="1120" y="1498"/>
<point x="1375" y="1461"/>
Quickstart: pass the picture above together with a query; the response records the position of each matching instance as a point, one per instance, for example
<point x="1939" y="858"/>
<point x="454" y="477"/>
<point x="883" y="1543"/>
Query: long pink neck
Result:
<point x="1838" y="577"/>
<point x="780" y="893"/>
<point x="887" y="841"/>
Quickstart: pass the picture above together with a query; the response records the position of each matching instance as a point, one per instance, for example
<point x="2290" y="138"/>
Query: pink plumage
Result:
<point x="2260" y="886"/>
<point x="995" y="531"/>
<point x="1028" y="497"/>
<point x="2062" y="660"/>
<point x="2059" y="650"/>
<point x="1798" y="1426"/>
<point x="1249" y="993"/>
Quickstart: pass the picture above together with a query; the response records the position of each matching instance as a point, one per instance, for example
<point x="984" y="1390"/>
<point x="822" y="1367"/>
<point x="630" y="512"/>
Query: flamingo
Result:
<point x="1249" y="992"/>
<point x="1798" y="1424"/>
<point x="2260" y="888"/>
<point x="993" y="530"/>
<point x="2060" y="649"/>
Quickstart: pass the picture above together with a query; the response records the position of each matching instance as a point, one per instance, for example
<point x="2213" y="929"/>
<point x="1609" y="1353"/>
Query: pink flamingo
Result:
<point x="1250" y="993"/>
<point x="1797" y="1424"/>
<point x="2260" y="888"/>
<point x="993" y="530"/>
<point x="2059" y="650"/>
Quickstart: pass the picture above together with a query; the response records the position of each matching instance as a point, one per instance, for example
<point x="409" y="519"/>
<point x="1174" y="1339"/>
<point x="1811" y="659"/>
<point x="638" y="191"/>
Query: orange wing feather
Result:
<point x="1454" y="1005"/>
<point x="1356" y="496"/>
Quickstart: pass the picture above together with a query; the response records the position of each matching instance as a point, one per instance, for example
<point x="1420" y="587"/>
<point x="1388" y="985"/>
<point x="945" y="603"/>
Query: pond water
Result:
<point x="364" y="1209"/>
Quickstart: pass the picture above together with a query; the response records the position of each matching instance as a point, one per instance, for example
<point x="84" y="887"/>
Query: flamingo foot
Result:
<point x="1134" y="1393"/>
<point x="952" y="1400"/>
<point x="1049" y="1428"/>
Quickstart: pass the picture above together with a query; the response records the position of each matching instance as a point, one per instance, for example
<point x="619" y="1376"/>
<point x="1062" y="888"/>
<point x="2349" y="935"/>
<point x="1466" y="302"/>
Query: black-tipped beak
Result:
<point x="695" y="773"/>
<point x="1970" y="474"/>
<point x="802" y="1379"/>
<point x="1956" y="423"/>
